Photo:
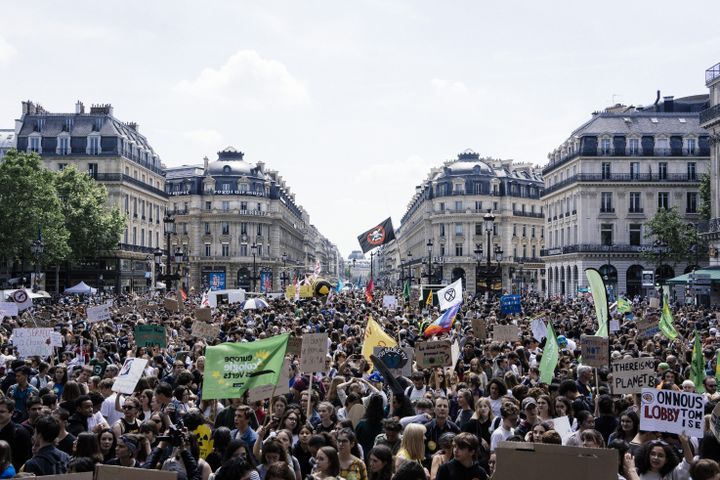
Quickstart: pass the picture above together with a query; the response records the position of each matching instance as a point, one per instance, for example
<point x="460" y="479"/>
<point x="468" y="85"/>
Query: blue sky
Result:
<point x="353" y="102"/>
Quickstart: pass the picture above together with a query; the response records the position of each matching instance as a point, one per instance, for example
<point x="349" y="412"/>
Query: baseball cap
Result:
<point x="528" y="402"/>
<point x="375" y="377"/>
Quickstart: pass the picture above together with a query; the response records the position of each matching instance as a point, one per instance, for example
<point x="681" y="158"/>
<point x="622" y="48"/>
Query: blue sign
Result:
<point x="510" y="304"/>
<point x="265" y="282"/>
<point x="216" y="280"/>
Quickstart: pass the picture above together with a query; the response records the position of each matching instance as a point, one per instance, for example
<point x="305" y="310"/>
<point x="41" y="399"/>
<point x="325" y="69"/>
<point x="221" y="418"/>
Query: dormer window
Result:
<point x="35" y="144"/>
<point x="99" y="122"/>
<point x="93" y="145"/>
<point x="63" y="145"/>
<point x="227" y="169"/>
<point x="40" y="125"/>
<point x="69" y="123"/>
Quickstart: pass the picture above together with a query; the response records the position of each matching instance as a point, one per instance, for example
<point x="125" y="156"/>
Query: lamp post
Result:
<point x="158" y="253"/>
<point x="253" y="249"/>
<point x="429" y="245"/>
<point x="169" y="221"/>
<point x="522" y="275"/>
<point x="284" y="275"/>
<point x="179" y="256"/>
<point x="37" y="249"/>
<point x="410" y="277"/>
<point x="371" y="268"/>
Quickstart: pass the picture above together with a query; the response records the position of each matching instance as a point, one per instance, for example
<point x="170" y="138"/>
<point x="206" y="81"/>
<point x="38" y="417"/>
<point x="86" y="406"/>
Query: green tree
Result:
<point x="29" y="202"/>
<point x="676" y="241"/>
<point x="705" y="193"/>
<point x="93" y="226"/>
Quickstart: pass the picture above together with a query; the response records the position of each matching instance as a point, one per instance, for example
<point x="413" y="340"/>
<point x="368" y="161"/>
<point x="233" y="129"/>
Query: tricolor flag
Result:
<point x="443" y="323"/>
<point x="369" y="291"/>
<point x="183" y="294"/>
<point x="318" y="268"/>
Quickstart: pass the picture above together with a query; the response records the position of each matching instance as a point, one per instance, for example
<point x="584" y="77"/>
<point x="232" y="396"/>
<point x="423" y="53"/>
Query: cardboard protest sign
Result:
<point x="595" y="350"/>
<point x="171" y="305"/>
<point x="113" y="472"/>
<point x="32" y="342"/>
<point x="672" y="412"/>
<point x="70" y="476"/>
<point x="98" y="313"/>
<point x="282" y="387"/>
<point x="539" y="329"/>
<point x="455" y="353"/>
<point x="205" y="330"/>
<point x="479" y="328"/>
<point x="433" y="354"/>
<point x="125" y="310"/>
<point x="715" y="422"/>
<point x="56" y="339"/>
<point x="647" y="326"/>
<point x="314" y="352"/>
<point x="614" y="325"/>
<point x="129" y="375"/>
<point x="356" y="413"/>
<point x="654" y="302"/>
<point x="631" y="375"/>
<point x="150" y="336"/>
<point x="8" y="309"/>
<point x="294" y="346"/>
<point x="203" y="314"/>
<point x="389" y="301"/>
<point x="536" y="460"/>
<point x="562" y="426"/>
<point x="397" y="359"/>
<point x="506" y="333"/>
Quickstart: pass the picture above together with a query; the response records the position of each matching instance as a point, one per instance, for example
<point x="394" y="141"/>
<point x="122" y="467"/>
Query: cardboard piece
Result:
<point x="537" y="460"/>
<point x="8" y="309"/>
<point x="654" y="302"/>
<point x="398" y="359"/>
<point x="672" y="412"/>
<point x="266" y="391"/>
<point x="614" y="325"/>
<point x="205" y="330"/>
<point x="150" y="336"/>
<point x="506" y="333"/>
<point x="98" y="313"/>
<point x="539" y="328"/>
<point x="433" y="354"/>
<point x="632" y="375"/>
<point x="70" y="476"/>
<point x="129" y="375"/>
<point x="313" y="353"/>
<point x="171" y="305"/>
<point x="647" y="326"/>
<point x="203" y="314"/>
<point x="479" y="328"/>
<point x="294" y="346"/>
<point x="389" y="301"/>
<point x="125" y="310"/>
<point x="356" y="413"/>
<point x="595" y="351"/>
<point x="33" y="341"/>
<point x="113" y="472"/>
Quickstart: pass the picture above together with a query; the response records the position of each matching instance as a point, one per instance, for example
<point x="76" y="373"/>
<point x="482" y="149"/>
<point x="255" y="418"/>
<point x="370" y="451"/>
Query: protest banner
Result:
<point x="537" y="460"/>
<point x="171" y="305"/>
<point x="98" y="313"/>
<point x="56" y="339"/>
<point x="614" y="325"/>
<point x="595" y="350"/>
<point x="510" y="304"/>
<point x="506" y="333"/>
<point x="203" y="314"/>
<point x="672" y="412"/>
<point x="389" y="301"/>
<point x="150" y="336"/>
<point x="114" y="472"/>
<point x="282" y="387"/>
<point x="8" y="309"/>
<point x="654" y="302"/>
<point x="129" y="375"/>
<point x="479" y="328"/>
<point x="631" y="375"/>
<point x="32" y="342"/>
<point x="314" y="352"/>
<point x="205" y="330"/>
<point x="433" y="354"/>
<point x="647" y="326"/>
<point x="397" y="359"/>
<point x="294" y="346"/>
<point x="233" y="368"/>
<point x="125" y="310"/>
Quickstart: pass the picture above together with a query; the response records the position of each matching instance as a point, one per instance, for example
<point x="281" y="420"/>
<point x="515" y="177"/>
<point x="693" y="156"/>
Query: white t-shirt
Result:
<point x="499" y="435"/>
<point x="108" y="409"/>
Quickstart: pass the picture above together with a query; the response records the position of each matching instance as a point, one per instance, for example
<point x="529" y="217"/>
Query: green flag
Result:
<point x="233" y="368"/>
<point x="623" y="306"/>
<point x="599" y="294"/>
<point x="666" y="322"/>
<point x="697" y="367"/>
<point x="549" y="357"/>
<point x="406" y="290"/>
<point x="717" y="365"/>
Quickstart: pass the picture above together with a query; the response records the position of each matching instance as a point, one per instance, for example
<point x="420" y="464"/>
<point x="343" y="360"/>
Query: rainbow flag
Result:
<point x="444" y="322"/>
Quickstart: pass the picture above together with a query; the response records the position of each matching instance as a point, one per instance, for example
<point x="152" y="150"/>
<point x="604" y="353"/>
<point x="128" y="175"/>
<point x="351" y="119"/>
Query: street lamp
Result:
<point x="489" y="220"/>
<point x="429" y="250"/>
<point x="37" y="249"/>
<point x="253" y="249"/>
<point x="179" y="257"/>
<point x="169" y="221"/>
<point x="409" y="255"/>
<point x="284" y="274"/>
<point x="157" y="254"/>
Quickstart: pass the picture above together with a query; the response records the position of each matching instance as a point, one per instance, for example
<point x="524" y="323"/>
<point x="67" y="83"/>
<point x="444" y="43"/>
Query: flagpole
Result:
<point x="309" y="401"/>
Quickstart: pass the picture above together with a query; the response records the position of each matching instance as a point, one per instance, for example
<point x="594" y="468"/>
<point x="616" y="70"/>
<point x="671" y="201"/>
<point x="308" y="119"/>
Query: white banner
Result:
<point x="672" y="412"/>
<point x="389" y="301"/>
<point x="8" y="309"/>
<point x="451" y="295"/>
<point x="32" y="342"/>
<point x="314" y="352"/>
<point x="539" y="329"/>
<point x="56" y="339"/>
<point x="98" y="313"/>
<point x="129" y="375"/>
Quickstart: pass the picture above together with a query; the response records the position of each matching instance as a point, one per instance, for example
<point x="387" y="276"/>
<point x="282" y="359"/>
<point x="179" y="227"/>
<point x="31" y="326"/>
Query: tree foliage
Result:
<point x="705" y="193"/>
<point x="676" y="241"/>
<point x="69" y="208"/>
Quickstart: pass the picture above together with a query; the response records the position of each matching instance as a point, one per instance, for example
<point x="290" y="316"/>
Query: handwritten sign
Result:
<point x="433" y="354"/>
<point x="171" y="305"/>
<point x="510" y="304"/>
<point x="648" y="326"/>
<point x="56" y="339"/>
<point x="672" y="412"/>
<point x="98" y="313"/>
<point x="130" y="373"/>
<point x="397" y="359"/>
<point x="594" y="350"/>
<point x="32" y="342"/>
<point x="505" y="333"/>
<point x="258" y="394"/>
<point x="294" y="346"/>
<point x="314" y="352"/>
<point x="203" y="314"/>
<point x="8" y="309"/>
<point x="389" y="301"/>
<point x="150" y="336"/>
<point x="479" y="328"/>
<point x="205" y="330"/>
<point x="631" y="375"/>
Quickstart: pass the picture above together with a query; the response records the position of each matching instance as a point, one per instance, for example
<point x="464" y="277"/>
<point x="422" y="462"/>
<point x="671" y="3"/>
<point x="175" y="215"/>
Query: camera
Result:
<point x="175" y="435"/>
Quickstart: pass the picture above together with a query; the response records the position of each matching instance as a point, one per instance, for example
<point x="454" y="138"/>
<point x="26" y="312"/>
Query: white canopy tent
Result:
<point x="81" y="288"/>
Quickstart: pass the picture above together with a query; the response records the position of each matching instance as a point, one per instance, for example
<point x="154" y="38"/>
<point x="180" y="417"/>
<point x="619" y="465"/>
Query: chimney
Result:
<point x="79" y="107"/>
<point x="26" y="107"/>
<point x="132" y="125"/>
<point x="669" y="103"/>
<point x="260" y="165"/>
<point x="206" y="163"/>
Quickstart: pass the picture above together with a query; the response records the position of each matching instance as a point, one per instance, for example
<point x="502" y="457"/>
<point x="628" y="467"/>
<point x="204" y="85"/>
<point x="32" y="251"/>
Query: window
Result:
<point x="208" y="252"/>
<point x="662" y="170"/>
<point x="93" y="145"/>
<point x="135" y="207"/>
<point x="635" y="206"/>
<point x="243" y="206"/>
<point x="207" y="228"/>
<point x="495" y="229"/>
<point x="225" y="250"/>
<point x="458" y="229"/>
<point x="692" y="171"/>
<point x="243" y="187"/>
<point x="514" y="230"/>
<point x="259" y="230"/>
<point x="478" y="229"/>
<point x="605" y="146"/>
<point x="661" y="147"/>
<point x="259" y="207"/>
<point x="495" y="205"/>
<point x="458" y="249"/>
<point x="226" y="206"/>
<point x="532" y="232"/>
<point x="225" y="228"/>
<point x="93" y="170"/>
<point x="442" y="229"/>
<point x="634" y="170"/>
<point x="208" y="206"/>
<point x="524" y="232"/>
<point x="142" y="237"/>
<point x="663" y="200"/>
<point x="478" y="205"/>
<point x="127" y="203"/>
<point x="259" y="250"/>
<point x="606" y="171"/>
<point x="634" y="146"/>
<point x="442" y="250"/>
<point x="635" y="233"/>
<point x="184" y="228"/>
<point x="606" y="233"/>
<point x="691" y="202"/>
<point x="225" y="187"/>
<point x="62" y="166"/>
<point x="606" y="202"/>
<point x="34" y="144"/>
<point x="458" y="206"/>
<point x="134" y="242"/>
<point x="243" y="250"/>
<point x="442" y="206"/>
<point x="63" y="145"/>
<point x="243" y="228"/>
<point x="691" y="146"/>
<point x="534" y="252"/>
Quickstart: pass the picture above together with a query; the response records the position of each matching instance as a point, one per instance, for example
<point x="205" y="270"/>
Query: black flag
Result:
<point x="377" y="236"/>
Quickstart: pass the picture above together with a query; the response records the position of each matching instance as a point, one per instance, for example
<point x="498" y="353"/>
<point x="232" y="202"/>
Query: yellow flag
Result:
<point x="375" y="336"/>
<point x="428" y="302"/>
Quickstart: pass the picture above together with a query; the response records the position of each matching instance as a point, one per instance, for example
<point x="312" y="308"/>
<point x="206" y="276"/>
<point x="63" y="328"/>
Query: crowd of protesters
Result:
<point x="60" y="414"/>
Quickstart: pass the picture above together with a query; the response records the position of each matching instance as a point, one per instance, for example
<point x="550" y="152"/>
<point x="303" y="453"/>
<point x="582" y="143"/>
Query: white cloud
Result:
<point x="249" y="81"/>
<point x="7" y="51"/>
<point x="206" y="138"/>
<point x="449" y="85"/>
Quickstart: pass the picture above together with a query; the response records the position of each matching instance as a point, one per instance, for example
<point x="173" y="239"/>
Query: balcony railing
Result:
<point x="621" y="178"/>
<point x="598" y="248"/>
<point x="711" y="74"/>
<point x="519" y="213"/>
<point x="135" y="248"/>
<point x="709" y="226"/>
<point x="710" y="114"/>
<point x="121" y="177"/>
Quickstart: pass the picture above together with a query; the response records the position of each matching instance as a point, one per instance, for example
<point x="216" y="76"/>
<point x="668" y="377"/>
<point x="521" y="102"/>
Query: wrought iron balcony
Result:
<point x="710" y="115"/>
<point x="598" y="248"/>
<point x="519" y="213"/>
<point x="711" y="74"/>
<point x="621" y="178"/>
